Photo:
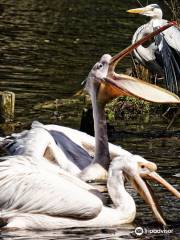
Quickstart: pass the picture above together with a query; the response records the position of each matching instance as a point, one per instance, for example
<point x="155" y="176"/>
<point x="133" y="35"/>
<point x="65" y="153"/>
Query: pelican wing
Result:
<point x="79" y="138"/>
<point x="13" y="144"/>
<point x="31" y="142"/>
<point x="38" y="142"/>
<point x="82" y="139"/>
<point x="31" y="186"/>
<point x="73" y="151"/>
<point x="67" y="140"/>
<point x="125" y="85"/>
<point x="76" y="136"/>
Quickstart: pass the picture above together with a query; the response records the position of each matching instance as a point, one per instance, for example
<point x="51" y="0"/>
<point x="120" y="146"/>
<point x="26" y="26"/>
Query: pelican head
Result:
<point x="137" y="171"/>
<point x="98" y="72"/>
<point x="152" y="11"/>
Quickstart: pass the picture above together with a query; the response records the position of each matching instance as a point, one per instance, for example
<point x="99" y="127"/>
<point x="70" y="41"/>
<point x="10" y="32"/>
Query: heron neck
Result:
<point x="158" y="15"/>
<point x="143" y="53"/>
<point x="100" y="128"/>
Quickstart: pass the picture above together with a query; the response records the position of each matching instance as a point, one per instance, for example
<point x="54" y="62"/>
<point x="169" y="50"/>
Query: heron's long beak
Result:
<point x="147" y="193"/>
<point x="138" y="10"/>
<point x="115" y="85"/>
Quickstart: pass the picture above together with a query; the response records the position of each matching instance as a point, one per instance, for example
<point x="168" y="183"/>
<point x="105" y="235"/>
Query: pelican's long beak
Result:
<point x="139" y="10"/>
<point x="124" y="85"/>
<point x="115" y="85"/>
<point x="158" y="179"/>
<point x="141" y="185"/>
<point x="119" y="56"/>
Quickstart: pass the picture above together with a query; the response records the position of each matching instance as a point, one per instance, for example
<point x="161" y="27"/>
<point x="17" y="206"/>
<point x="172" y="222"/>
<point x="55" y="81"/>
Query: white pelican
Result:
<point x="68" y="148"/>
<point x="103" y="84"/>
<point x="35" y="195"/>
<point x="163" y="55"/>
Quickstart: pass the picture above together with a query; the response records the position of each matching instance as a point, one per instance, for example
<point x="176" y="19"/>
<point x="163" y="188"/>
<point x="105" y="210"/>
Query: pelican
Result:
<point x="35" y="195"/>
<point x="162" y="56"/>
<point x="67" y="148"/>
<point x="103" y="84"/>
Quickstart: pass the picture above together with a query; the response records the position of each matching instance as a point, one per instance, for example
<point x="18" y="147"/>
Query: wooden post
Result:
<point x="7" y="104"/>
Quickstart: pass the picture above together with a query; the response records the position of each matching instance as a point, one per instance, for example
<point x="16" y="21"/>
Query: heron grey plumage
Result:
<point x="162" y="56"/>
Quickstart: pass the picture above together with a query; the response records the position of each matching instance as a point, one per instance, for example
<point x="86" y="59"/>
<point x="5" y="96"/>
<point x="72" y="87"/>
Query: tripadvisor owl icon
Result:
<point x="139" y="231"/>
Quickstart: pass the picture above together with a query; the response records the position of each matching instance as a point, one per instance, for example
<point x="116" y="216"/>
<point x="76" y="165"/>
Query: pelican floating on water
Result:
<point x="37" y="195"/>
<point x="162" y="56"/>
<point x="103" y="84"/>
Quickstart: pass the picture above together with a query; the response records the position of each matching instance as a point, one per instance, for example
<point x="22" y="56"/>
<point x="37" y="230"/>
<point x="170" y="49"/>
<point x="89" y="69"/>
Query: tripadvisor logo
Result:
<point x="139" y="231"/>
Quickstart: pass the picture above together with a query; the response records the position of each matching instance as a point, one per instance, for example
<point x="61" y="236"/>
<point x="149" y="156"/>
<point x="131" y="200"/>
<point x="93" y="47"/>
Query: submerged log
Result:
<point x="7" y="103"/>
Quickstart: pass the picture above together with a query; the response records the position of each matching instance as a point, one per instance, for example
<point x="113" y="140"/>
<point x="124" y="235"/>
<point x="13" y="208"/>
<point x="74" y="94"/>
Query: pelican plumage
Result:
<point x="67" y="148"/>
<point x="162" y="56"/>
<point x="103" y="84"/>
<point x="37" y="195"/>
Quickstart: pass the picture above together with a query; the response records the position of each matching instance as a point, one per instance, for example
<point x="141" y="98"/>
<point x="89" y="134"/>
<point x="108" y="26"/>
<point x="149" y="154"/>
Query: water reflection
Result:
<point x="47" y="49"/>
<point x="72" y="234"/>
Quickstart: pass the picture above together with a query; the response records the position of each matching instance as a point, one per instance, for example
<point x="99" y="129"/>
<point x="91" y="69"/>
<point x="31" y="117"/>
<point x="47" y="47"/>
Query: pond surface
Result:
<point x="47" y="49"/>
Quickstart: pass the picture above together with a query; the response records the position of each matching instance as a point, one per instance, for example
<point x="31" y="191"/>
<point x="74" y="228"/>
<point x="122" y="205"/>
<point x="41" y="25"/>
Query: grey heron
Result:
<point x="162" y="56"/>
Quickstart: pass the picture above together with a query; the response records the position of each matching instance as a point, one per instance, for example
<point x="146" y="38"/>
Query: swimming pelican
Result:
<point x="36" y="195"/>
<point x="104" y="84"/>
<point x="68" y="148"/>
<point x="162" y="56"/>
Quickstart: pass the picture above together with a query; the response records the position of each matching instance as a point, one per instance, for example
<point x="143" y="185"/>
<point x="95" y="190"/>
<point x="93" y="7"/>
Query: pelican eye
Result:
<point x="142" y="166"/>
<point x="100" y="65"/>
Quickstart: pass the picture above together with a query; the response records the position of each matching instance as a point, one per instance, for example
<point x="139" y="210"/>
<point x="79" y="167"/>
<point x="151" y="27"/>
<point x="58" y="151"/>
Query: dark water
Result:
<point x="46" y="50"/>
